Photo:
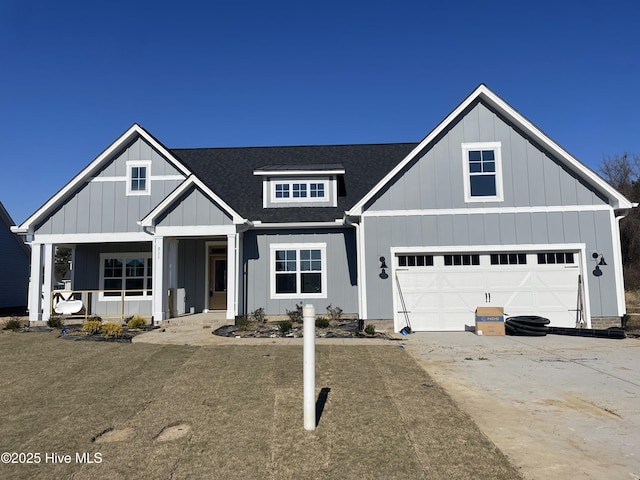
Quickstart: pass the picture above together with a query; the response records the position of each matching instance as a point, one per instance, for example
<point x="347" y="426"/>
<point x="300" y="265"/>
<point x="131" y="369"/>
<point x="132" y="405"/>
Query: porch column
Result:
<point x="172" y="276"/>
<point x="232" y="270"/>
<point x="47" y="281"/>
<point x="159" y="296"/>
<point x="35" y="283"/>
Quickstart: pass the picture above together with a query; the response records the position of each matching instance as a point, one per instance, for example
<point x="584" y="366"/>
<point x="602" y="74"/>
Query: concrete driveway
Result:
<point x="559" y="407"/>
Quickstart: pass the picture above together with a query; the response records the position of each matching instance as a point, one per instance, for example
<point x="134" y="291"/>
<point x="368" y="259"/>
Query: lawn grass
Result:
<point x="384" y="417"/>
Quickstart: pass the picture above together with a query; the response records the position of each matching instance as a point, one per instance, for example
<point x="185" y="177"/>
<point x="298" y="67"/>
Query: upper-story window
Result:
<point x="482" y="164"/>
<point x="299" y="190"/>
<point x="300" y="185"/>
<point x="138" y="181"/>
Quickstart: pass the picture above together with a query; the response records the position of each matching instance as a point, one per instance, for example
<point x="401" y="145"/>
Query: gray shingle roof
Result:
<point x="229" y="173"/>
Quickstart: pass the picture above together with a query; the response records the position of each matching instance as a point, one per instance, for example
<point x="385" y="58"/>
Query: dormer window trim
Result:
<point x="300" y="191"/>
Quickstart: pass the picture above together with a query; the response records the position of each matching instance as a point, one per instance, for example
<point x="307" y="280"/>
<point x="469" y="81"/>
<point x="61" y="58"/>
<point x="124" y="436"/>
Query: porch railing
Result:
<point x="100" y="303"/>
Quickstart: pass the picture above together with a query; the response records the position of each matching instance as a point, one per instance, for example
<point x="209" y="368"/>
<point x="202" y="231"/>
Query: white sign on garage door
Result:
<point x="440" y="292"/>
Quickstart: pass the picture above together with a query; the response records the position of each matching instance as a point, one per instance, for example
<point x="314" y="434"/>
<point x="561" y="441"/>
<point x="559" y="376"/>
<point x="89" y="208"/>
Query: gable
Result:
<point x="194" y="208"/>
<point x="102" y="204"/>
<point x="520" y="124"/>
<point x="93" y="202"/>
<point x="530" y="176"/>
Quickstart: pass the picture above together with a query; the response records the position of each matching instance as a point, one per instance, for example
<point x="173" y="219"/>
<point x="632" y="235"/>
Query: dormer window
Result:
<point x="138" y="178"/>
<point x="300" y="185"/>
<point x="299" y="191"/>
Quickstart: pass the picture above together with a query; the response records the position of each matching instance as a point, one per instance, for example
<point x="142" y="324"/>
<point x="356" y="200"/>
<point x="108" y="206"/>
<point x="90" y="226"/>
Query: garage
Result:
<point x="439" y="291"/>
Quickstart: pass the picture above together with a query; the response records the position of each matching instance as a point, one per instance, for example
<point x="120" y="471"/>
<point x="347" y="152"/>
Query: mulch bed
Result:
<point x="348" y="329"/>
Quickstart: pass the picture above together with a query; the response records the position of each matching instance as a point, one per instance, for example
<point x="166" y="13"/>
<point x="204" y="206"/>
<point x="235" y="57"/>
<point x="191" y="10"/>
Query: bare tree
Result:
<point x="623" y="173"/>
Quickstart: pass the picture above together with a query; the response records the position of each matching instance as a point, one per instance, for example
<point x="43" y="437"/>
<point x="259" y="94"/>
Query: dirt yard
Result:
<point x="229" y="411"/>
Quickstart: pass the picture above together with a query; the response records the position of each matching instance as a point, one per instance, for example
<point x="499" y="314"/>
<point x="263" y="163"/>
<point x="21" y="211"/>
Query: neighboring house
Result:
<point x="14" y="274"/>
<point x="486" y="210"/>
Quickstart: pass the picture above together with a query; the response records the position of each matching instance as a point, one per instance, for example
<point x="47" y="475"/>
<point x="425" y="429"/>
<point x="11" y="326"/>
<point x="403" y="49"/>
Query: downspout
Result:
<point x="620" y="272"/>
<point x="359" y="271"/>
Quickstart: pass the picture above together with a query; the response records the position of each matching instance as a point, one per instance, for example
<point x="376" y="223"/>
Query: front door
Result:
<point x="218" y="279"/>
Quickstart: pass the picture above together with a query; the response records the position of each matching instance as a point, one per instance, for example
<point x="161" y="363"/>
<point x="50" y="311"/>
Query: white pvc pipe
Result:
<point x="309" y="366"/>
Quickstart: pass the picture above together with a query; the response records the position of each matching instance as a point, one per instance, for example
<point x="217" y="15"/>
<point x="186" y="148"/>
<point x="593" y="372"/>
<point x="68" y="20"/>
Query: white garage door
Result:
<point x="440" y="292"/>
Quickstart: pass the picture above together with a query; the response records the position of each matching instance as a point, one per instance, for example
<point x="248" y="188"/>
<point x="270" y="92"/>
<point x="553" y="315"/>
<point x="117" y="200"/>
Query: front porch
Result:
<point x="161" y="278"/>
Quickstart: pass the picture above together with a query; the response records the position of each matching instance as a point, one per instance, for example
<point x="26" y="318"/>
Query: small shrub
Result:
<point x="95" y="318"/>
<point x="92" y="327"/>
<point x="322" y="322"/>
<point x="55" y="321"/>
<point x="285" y="326"/>
<point x="295" y="316"/>
<point x="242" y="322"/>
<point x="14" y="324"/>
<point x="112" y="330"/>
<point x="258" y="315"/>
<point x="370" y="329"/>
<point x="335" y="314"/>
<point x="136" y="322"/>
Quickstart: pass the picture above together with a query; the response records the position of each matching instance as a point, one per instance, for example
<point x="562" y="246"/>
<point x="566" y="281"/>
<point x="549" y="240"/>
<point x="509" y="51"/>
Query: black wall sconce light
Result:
<point x="599" y="259"/>
<point x="383" y="267"/>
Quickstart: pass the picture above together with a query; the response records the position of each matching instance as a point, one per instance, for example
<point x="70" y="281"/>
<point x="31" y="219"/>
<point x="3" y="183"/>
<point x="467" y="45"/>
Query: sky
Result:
<point x="76" y="74"/>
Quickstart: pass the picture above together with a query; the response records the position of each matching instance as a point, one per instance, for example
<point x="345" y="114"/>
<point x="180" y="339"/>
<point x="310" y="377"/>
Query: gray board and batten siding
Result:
<point x="531" y="176"/>
<point x="591" y="228"/>
<point x="194" y="208"/>
<point x="342" y="290"/>
<point x="14" y="275"/>
<point x="102" y="206"/>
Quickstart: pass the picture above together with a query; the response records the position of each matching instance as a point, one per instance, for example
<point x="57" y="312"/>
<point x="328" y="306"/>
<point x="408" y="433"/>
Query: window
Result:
<point x="298" y="270"/>
<point x="508" y="259"/>
<point x="129" y="272"/>
<point x="316" y="190"/>
<point x="415" y="260"/>
<point x="461" y="260"/>
<point x="483" y="171"/>
<point x="555" y="257"/>
<point x="299" y="191"/>
<point x="138" y="181"/>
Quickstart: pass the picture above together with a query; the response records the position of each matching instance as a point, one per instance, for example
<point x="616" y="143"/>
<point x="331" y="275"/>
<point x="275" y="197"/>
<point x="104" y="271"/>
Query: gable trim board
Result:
<point x="220" y="197"/>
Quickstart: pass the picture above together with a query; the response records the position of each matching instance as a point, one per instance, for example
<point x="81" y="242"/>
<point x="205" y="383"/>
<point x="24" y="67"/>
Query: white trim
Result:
<point x="616" y="199"/>
<point x="298" y="246"/>
<point x="125" y="256"/>
<point x="130" y="165"/>
<point x="149" y="220"/>
<point x="91" y="237"/>
<point x="195" y="231"/>
<point x="285" y="173"/>
<point x="126" y="137"/>
<point x="525" y="247"/>
<point x="496" y="147"/>
<point x="47" y="260"/>
<point x="153" y="178"/>
<point x="617" y="262"/>
<point x="485" y="210"/>
<point x="232" y="270"/>
<point x="34" y="301"/>
<point x="337" y="223"/>
<point x="362" y="271"/>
